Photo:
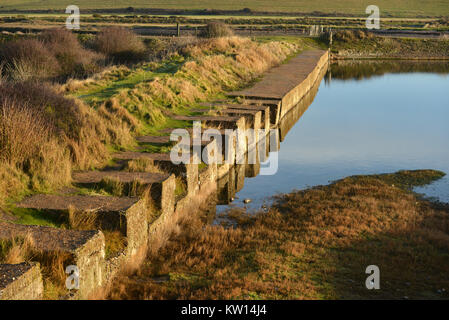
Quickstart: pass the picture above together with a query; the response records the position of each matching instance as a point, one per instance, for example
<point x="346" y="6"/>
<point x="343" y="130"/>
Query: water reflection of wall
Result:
<point x="231" y="183"/>
<point x="289" y="120"/>
<point x="364" y="69"/>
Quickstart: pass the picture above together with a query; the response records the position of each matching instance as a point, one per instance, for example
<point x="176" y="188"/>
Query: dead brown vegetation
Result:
<point x="44" y="135"/>
<point x="28" y="59"/>
<point x="15" y="250"/>
<point x="120" y="44"/>
<point x="216" y="29"/>
<point x="54" y="54"/>
<point x="352" y="35"/>
<point x="73" y="59"/>
<point x="312" y="244"/>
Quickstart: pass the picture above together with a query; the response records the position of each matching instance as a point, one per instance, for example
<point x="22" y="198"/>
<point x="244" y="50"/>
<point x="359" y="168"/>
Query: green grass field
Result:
<point x="403" y="8"/>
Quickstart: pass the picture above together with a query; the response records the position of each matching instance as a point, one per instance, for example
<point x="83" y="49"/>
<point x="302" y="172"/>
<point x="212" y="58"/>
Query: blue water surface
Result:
<point x="376" y="125"/>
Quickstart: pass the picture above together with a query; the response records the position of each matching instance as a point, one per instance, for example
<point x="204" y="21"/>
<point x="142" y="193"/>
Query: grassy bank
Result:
<point x="312" y="244"/>
<point x="201" y="71"/>
<point x="57" y="117"/>
<point x="359" y="44"/>
<point x="49" y="128"/>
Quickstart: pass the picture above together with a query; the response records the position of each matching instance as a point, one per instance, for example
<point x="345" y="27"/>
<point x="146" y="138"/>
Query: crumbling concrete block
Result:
<point x="126" y="214"/>
<point x="160" y="187"/>
<point x="21" y="281"/>
<point x="83" y="249"/>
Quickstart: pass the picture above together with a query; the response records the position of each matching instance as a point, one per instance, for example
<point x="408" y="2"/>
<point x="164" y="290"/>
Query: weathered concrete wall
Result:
<point x="229" y="178"/>
<point x="163" y="194"/>
<point x="84" y="249"/>
<point x="288" y="82"/>
<point x="160" y="230"/>
<point x="208" y="175"/>
<point x="90" y="259"/>
<point x="240" y="170"/>
<point x="136" y="227"/>
<point x="21" y="282"/>
<point x="296" y="94"/>
<point x="296" y="112"/>
<point x="226" y="188"/>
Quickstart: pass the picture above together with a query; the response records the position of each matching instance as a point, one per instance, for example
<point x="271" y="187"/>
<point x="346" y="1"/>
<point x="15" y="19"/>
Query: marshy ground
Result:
<point x="311" y="244"/>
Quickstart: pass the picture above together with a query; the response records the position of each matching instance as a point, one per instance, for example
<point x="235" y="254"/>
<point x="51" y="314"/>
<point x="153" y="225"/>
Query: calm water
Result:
<point x="378" y="124"/>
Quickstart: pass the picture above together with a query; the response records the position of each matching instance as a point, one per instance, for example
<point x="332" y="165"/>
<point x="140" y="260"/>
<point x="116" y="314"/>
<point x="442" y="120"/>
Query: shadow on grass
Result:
<point x="414" y="264"/>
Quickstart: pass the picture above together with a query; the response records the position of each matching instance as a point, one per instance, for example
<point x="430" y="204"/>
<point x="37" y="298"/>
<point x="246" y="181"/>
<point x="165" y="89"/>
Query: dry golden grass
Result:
<point x="115" y="242"/>
<point x="142" y="165"/>
<point x="30" y="152"/>
<point x="208" y="67"/>
<point x="13" y="181"/>
<point x="227" y="63"/>
<point x="312" y="244"/>
<point x="109" y="74"/>
<point x="212" y="67"/>
<point x="117" y="188"/>
<point x="82" y="220"/>
<point x="22" y="131"/>
<point x="15" y="250"/>
<point x="53" y="272"/>
<point x="43" y="136"/>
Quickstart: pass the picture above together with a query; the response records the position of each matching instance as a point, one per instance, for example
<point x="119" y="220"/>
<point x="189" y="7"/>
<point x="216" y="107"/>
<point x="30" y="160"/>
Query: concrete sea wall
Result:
<point x="147" y="217"/>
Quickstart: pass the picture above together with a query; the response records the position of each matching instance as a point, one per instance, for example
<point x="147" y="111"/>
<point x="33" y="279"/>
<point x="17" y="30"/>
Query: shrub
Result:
<point x="73" y="59"/>
<point x="216" y="29"/>
<point x="344" y="36"/>
<point x="56" y="53"/>
<point x="28" y="59"/>
<point x="350" y="35"/>
<point x="120" y="44"/>
<point x="164" y="48"/>
<point x="360" y="34"/>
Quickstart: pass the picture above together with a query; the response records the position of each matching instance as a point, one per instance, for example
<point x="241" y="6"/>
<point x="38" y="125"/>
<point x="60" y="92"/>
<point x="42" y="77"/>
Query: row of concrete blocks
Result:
<point x="288" y="83"/>
<point x="130" y="215"/>
<point x="87" y="248"/>
<point x="127" y="214"/>
<point x="292" y="98"/>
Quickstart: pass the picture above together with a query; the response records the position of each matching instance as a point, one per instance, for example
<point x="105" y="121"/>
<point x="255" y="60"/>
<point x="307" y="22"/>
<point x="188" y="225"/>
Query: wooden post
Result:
<point x="178" y="27"/>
